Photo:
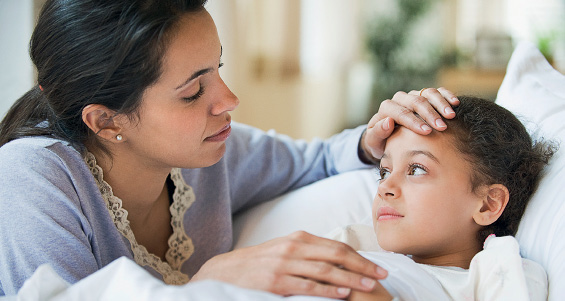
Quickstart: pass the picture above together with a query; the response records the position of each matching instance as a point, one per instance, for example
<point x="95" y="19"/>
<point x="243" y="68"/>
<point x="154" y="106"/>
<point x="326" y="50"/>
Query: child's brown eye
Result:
<point x="383" y="173"/>
<point x="417" y="170"/>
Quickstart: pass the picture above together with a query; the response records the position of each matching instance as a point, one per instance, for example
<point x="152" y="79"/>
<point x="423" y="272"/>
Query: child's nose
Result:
<point x="388" y="188"/>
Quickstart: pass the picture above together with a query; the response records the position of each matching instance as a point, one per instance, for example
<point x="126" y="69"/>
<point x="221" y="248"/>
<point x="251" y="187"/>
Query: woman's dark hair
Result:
<point x="501" y="151"/>
<point x="92" y="52"/>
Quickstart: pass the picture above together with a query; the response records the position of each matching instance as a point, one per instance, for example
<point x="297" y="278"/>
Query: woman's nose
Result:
<point x="226" y="101"/>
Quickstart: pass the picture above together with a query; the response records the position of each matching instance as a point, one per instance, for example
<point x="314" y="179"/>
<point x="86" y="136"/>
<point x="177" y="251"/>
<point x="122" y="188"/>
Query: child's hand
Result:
<point x="377" y="294"/>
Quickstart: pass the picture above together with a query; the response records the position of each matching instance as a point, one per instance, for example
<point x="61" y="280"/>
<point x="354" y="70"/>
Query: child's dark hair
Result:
<point x="501" y="151"/>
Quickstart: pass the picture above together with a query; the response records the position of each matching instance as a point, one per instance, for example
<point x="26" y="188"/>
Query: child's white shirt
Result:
<point x="496" y="273"/>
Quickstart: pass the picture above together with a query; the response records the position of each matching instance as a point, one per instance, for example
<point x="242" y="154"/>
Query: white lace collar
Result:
<point x="180" y="245"/>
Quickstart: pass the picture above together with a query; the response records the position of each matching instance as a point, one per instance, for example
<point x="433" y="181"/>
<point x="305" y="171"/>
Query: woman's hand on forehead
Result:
<point x="420" y="111"/>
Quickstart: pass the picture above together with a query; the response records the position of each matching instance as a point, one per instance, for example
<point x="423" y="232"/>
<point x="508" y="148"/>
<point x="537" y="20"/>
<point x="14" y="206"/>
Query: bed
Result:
<point x="532" y="89"/>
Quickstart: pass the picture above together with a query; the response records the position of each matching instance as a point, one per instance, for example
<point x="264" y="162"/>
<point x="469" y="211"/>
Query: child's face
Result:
<point x="424" y="205"/>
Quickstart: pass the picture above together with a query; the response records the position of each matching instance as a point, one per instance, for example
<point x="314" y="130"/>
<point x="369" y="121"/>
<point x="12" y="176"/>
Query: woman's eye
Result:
<point x="417" y="170"/>
<point x="195" y="96"/>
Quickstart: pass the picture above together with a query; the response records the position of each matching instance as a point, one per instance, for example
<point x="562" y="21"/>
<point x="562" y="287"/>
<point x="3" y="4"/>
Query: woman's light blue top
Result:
<point x="52" y="210"/>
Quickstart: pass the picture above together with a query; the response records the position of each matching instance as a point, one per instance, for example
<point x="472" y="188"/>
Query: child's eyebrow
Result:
<point x="415" y="153"/>
<point x="425" y="153"/>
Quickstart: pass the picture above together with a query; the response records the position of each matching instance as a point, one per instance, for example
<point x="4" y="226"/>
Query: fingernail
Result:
<point x="381" y="272"/>
<point x="455" y="99"/>
<point x="343" y="291"/>
<point x="426" y="128"/>
<point x="440" y="123"/>
<point x="368" y="283"/>
<point x="449" y="110"/>
<point x="385" y="124"/>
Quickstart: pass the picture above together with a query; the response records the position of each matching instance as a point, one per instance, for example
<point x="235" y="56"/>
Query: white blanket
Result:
<point x="497" y="273"/>
<point x="123" y="279"/>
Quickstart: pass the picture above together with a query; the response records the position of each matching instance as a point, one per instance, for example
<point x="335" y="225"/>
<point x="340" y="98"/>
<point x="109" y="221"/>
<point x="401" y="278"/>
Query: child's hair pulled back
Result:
<point x="501" y="151"/>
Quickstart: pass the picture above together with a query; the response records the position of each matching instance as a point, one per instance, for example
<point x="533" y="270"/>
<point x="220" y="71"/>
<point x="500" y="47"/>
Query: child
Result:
<point x="451" y="201"/>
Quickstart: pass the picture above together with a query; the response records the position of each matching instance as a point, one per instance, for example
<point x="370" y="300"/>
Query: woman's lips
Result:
<point x="387" y="213"/>
<point x="221" y="135"/>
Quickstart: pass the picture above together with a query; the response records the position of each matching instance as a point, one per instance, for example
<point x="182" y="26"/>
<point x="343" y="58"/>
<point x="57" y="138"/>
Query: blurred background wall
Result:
<point x="16" y="69"/>
<point x="309" y="68"/>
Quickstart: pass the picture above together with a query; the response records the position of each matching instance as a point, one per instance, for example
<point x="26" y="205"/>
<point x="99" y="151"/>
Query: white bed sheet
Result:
<point x="123" y="280"/>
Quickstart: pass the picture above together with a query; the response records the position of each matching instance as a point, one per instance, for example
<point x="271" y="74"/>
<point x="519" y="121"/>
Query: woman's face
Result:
<point x="184" y="117"/>
<point x="425" y="204"/>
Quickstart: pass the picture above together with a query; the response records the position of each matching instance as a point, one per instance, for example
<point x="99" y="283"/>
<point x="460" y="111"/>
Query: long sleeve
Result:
<point x="261" y="166"/>
<point x="51" y="212"/>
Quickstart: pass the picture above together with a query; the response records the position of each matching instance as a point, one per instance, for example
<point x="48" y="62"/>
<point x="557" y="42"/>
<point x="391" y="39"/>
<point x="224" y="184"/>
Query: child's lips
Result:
<point x="388" y="213"/>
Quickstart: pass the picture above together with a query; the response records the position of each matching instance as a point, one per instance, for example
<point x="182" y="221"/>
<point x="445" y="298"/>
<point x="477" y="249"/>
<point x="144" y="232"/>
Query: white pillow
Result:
<point x="318" y="208"/>
<point x="535" y="92"/>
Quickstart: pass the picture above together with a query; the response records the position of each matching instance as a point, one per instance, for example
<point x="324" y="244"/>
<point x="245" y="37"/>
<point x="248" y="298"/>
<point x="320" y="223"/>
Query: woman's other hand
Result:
<point x="297" y="264"/>
<point x="420" y="111"/>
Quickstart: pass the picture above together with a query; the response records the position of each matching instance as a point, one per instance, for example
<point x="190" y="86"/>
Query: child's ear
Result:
<point x="493" y="204"/>
<point x="102" y="121"/>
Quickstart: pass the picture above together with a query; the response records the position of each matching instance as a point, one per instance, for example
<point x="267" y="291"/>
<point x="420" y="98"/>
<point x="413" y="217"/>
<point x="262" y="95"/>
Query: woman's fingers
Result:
<point x="333" y="267"/>
<point x="307" y="287"/>
<point x="404" y="114"/>
<point x="330" y="274"/>
<point x="441" y="99"/>
<point x="415" y="111"/>
<point x="449" y="96"/>
<point x="420" y="111"/>
<point x="323" y="250"/>
<point x="299" y="263"/>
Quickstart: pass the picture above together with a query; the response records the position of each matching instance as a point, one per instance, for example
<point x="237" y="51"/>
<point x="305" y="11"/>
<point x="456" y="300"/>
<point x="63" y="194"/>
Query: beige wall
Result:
<point x="16" y="25"/>
<point x="297" y="88"/>
<point x="298" y="66"/>
<point x="329" y="88"/>
<point x="17" y="18"/>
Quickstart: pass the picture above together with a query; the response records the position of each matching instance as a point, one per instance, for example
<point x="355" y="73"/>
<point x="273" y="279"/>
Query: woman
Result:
<point x="122" y="149"/>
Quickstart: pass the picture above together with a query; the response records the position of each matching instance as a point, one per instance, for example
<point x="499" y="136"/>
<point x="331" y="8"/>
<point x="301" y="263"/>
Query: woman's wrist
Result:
<point x="363" y="154"/>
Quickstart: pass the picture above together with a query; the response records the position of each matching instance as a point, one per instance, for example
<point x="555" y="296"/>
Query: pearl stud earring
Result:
<point x="119" y="137"/>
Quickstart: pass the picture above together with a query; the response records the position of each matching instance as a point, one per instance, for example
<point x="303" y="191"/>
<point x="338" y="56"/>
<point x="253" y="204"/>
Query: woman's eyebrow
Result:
<point x="199" y="72"/>
<point x="195" y="75"/>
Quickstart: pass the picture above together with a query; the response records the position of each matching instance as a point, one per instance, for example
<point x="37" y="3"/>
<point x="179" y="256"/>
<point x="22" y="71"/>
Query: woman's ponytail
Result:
<point x="92" y="52"/>
<point x="25" y="116"/>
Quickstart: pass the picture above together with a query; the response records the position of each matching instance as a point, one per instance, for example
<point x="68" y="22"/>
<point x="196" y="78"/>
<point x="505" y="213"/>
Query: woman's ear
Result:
<point x="493" y="204"/>
<point x="101" y="121"/>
